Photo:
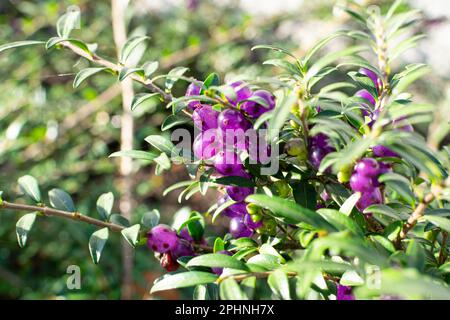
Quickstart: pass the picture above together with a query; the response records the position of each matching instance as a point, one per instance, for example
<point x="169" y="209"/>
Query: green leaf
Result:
<point x="219" y="245"/>
<point x="304" y="194"/>
<point x="129" y="46"/>
<point x="183" y="280"/>
<point x="264" y="46"/>
<point x="230" y="290"/>
<point x="131" y="234"/>
<point x="29" y="186"/>
<point x="105" y="204"/>
<point x="290" y="212"/>
<point x="279" y="284"/>
<point x="416" y="255"/>
<point x="319" y="45"/>
<point x="364" y="82"/>
<point x="135" y="154"/>
<point x="23" y="226"/>
<point x="174" y="120"/>
<point x="150" y="219"/>
<point x="340" y="221"/>
<point x="244" y="243"/>
<point x="161" y="143"/>
<point x="125" y="72"/>
<point x="119" y="219"/>
<point x="17" y="44"/>
<point x="140" y="98"/>
<point x="280" y="115"/>
<point x="398" y="184"/>
<point x="349" y="204"/>
<point x="67" y="22"/>
<point x="61" y="200"/>
<point x="283" y="64"/>
<point x="214" y="260"/>
<point x="441" y="222"/>
<point x="174" y="75"/>
<point x="84" y="74"/>
<point x="97" y="242"/>
<point x="150" y="67"/>
<point x="211" y="80"/>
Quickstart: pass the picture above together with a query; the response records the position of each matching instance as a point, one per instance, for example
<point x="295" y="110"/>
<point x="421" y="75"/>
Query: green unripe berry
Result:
<point x="253" y="208"/>
<point x="296" y="147"/>
<point x="344" y="174"/>
<point x="256" y="217"/>
<point x="281" y="188"/>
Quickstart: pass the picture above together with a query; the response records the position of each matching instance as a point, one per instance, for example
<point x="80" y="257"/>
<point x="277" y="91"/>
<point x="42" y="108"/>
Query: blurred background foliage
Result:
<point x="63" y="136"/>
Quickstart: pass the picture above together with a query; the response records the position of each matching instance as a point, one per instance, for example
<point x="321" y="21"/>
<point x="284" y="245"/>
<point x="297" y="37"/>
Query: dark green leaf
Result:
<point x="105" y="204"/>
<point x="183" y="280"/>
<point x="214" y="260"/>
<point x="61" y="200"/>
<point x="97" y="243"/>
<point x="23" y="226"/>
<point x="29" y="186"/>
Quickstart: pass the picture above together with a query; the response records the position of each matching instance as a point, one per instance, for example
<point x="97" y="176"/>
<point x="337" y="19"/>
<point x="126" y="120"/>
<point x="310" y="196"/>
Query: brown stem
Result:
<point x="76" y="216"/>
<point x="167" y="97"/>
<point x="415" y="216"/>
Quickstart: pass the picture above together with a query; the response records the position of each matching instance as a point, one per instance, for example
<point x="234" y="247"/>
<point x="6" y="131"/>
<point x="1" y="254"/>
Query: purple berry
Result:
<point x="238" y="209"/>
<point x="207" y="144"/>
<point x="238" y="229"/>
<point x="239" y="193"/>
<point x="218" y="270"/>
<point x="382" y="151"/>
<point x="369" y="198"/>
<point x="193" y="90"/>
<point x="227" y="163"/>
<point x="320" y="141"/>
<point x="366" y="95"/>
<point x="162" y="238"/>
<point x="360" y="183"/>
<point x="205" y="117"/>
<point x="184" y="248"/>
<point x="344" y="293"/>
<point x="254" y="109"/>
<point x="316" y="156"/>
<point x="367" y="167"/>
<point x="252" y="224"/>
<point x="242" y="92"/>
<point x="232" y="119"/>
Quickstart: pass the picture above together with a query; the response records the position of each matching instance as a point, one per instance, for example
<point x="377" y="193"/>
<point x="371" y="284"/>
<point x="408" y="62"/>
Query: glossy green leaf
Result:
<point x="174" y="75"/>
<point x="86" y="73"/>
<point x="290" y="211"/>
<point x="150" y="219"/>
<point x="24" y="226"/>
<point x="97" y="242"/>
<point x="29" y="186"/>
<point x="17" y="44"/>
<point x="217" y="260"/>
<point x="279" y="284"/>
<point x="131" y="234"/>
<point x="129" y="47"/>
<point x="161" y="143"/>
<point x="105" y="204"/>
<point x="141" y="98"/>
<point x="135" y="154"/>
<point x="230" y="290"/>
<point x="183" y="280"/>
<point x="61" y="200"/>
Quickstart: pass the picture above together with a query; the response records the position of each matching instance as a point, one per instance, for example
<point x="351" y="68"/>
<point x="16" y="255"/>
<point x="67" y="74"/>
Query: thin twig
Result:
<point x="415" y="216"/>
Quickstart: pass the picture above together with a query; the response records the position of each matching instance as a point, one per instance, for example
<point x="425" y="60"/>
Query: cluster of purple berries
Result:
<point x="165" y="241"/>
<point x="365" y="180"/>
<point x="222" y="136"/>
